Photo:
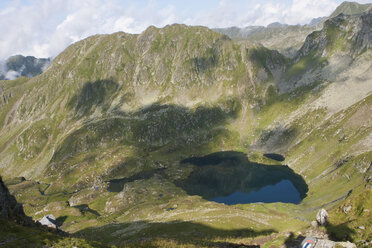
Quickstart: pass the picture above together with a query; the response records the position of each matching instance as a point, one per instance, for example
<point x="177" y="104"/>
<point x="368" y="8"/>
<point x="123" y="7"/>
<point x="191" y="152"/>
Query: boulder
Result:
<point x="314" y="223"/>
<point x="324" y="243"/>
<point x="49" y="220"/>
<point x="322" y="217"/>
<point x="346" y="209"/>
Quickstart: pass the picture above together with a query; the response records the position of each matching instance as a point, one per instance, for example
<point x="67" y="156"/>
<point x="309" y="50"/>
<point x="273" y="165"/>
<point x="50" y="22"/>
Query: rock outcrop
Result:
<point x="49" y="221"/>
<point x="10" y="209"/>
<point x="322" y="217"/>
<point x="311" y="242"/>
<point x="356" y="29"/>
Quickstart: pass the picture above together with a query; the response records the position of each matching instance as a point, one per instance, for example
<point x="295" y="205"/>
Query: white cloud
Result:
<point x="43" y="28"/>
<point x="2" y="67"/>
<point x="11" y="75"/>
<point x="123" y="23"/>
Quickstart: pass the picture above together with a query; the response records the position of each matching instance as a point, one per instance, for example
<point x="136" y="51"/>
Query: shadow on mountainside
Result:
<point x="148" y="129"/>
<point x="340" y="232"/>
<point x="117" y="185"/>
<point x="160" y="129"/>
<point x="293" y="241"/>
<point x="84" y="208"/>
<point x="93" y="94"/>
<point x="168" y="234"/>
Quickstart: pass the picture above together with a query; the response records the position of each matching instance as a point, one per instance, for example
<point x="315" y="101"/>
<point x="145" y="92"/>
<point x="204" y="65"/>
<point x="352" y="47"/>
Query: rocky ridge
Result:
<point x="131" y="107"/>
<point x="289" y="38"/>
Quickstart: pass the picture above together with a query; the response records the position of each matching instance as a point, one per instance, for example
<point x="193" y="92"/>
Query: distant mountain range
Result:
<point x="127" y="138"/>
<point x="285" y="38"/>
<point x="19" y="65"/>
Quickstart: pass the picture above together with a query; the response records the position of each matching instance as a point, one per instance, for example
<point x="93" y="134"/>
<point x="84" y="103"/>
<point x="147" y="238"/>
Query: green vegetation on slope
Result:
<point x="127" y="109"/>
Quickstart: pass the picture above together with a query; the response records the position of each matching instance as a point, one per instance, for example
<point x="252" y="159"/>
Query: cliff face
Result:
<point x="10" y="209"/>
<point x="347" y="34"/>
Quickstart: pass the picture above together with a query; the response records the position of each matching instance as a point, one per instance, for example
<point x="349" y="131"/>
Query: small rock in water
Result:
<point x="322" y="217"/>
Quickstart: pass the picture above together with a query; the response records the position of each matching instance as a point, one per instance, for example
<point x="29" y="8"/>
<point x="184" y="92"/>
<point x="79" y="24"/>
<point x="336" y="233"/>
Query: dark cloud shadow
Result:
<point x="164" y="127"/>
<point x="91" y="95"/>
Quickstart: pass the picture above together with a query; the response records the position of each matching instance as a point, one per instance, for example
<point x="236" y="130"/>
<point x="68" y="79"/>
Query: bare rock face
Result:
<point x="322" y="217"/>
<point x="49" y="221"/>
<point x="10" y="209"/>
<point x="314" y="223"/>
<point x="324" y="243"/>
<point x="357" y="27"/>
<point x="311" y="242"/>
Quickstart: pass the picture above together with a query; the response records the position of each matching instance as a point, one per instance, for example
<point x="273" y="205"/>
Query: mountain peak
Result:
<point x="19" y="65"/>
<point x="351" y="8"/>
<point x="332" y="36"/>
<point x="276" y="25"/>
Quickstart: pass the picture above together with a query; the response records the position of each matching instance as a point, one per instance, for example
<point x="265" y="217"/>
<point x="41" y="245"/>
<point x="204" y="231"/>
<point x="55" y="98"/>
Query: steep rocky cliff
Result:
<point x="343" y="33"/>
<point x="10" y="209"/>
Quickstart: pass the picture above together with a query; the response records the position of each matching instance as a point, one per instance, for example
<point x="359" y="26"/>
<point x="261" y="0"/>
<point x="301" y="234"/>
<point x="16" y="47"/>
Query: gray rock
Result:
<point x="322" y="217"/>
<point x="324" y="243"/>
<point x="312" y="242"/>
<point x="49" y="220"/>
<point x="346" y="209"/>
<point x="314" y="223"/>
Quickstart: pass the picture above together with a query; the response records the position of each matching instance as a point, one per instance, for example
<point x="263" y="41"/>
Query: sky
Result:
<point x="44" y="28"/>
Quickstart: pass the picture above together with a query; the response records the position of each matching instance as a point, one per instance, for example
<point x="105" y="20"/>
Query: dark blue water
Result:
<point x="284" y="191"/>
<point x="229" y="177"/>
<point x="275" y="156"/>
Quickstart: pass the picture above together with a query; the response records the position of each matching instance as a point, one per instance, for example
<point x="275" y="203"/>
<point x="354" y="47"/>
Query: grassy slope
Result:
<point x="113" y="135"/>
<point x="13" y="235"/>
